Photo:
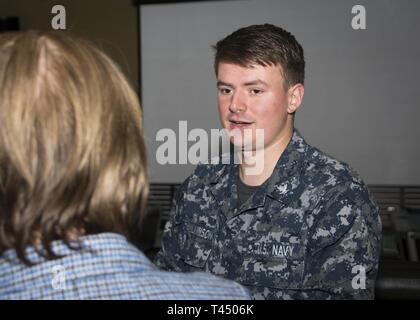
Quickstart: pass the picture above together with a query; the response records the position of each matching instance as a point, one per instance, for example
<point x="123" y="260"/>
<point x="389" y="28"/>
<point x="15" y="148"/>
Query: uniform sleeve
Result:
<point x="168" y="257"/>
<point x="344" y="247"/>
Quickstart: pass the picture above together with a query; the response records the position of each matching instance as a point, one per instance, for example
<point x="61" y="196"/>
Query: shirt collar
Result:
<point x="109" y="248"/>
<point x="281" y="184"/>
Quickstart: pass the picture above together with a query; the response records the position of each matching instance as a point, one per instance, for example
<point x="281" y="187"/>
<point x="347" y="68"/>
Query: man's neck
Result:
<point x="269" y="156"/>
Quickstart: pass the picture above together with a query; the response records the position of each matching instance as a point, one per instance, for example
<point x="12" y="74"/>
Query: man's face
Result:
<point x="253" y="98"/>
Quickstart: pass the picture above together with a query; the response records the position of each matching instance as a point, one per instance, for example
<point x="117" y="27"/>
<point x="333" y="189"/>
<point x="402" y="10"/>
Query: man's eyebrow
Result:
<point x="256" y="82"/>
<point x="221" y="83"/>
<point x="249" y="83"/>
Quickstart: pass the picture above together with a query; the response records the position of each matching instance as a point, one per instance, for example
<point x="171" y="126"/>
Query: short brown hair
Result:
<point x="72" y="153"/>
<point x="264" y="45"/>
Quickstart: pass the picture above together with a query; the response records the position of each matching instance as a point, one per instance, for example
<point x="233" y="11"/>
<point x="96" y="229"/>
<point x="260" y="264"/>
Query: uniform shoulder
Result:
<point x="324" y="170"/>
<point x="342" y="198"/>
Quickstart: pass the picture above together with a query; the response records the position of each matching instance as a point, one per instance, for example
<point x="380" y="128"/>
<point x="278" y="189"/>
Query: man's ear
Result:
<point x="295" y="94"/>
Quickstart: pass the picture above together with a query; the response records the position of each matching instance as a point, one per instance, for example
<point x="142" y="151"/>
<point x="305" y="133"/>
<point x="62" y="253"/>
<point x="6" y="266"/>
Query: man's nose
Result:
<point x="237" y="103"/>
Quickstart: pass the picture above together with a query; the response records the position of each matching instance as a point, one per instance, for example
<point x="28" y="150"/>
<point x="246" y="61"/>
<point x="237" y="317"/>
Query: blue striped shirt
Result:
<point x="107" y="267"/>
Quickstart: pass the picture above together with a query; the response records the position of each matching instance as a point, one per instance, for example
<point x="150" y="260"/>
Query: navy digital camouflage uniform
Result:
<point x="312" y="231"/>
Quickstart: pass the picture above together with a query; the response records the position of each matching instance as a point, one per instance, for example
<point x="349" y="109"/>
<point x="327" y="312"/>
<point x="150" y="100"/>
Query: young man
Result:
<point x="305" y="226"/>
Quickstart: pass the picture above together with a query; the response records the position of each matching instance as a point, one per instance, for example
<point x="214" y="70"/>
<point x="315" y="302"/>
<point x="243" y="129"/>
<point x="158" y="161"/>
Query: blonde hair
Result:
<point x="72" y="153"/>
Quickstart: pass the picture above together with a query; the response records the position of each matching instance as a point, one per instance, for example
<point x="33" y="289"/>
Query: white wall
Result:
<point x="362" y="95"/>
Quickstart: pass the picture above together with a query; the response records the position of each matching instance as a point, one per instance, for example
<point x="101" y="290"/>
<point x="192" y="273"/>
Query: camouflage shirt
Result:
<point x="312" y="231"/>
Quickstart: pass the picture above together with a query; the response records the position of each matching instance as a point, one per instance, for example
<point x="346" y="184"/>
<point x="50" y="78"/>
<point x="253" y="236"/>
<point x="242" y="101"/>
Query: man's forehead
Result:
<point x="251" y="74"/>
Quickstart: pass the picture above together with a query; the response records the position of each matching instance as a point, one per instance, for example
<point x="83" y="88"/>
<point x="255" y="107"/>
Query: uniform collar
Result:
<point x="281" y="184"/>
<point x="286" y="174"/>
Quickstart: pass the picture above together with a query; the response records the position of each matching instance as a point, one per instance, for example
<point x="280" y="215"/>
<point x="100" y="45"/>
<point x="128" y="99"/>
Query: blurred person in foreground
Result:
<point x="73" y="177"/>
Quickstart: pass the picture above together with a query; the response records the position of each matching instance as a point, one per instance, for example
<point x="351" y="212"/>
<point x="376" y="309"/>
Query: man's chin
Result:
<point x="239" y="143"/>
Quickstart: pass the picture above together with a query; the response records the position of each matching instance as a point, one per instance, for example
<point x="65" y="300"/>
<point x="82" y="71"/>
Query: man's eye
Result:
<point x="225" y="90"/>
<point x="256" y="92"/>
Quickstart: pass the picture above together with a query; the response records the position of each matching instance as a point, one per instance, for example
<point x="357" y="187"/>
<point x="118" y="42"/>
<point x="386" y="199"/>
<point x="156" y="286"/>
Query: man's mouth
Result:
<point x="240" y="124"/>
